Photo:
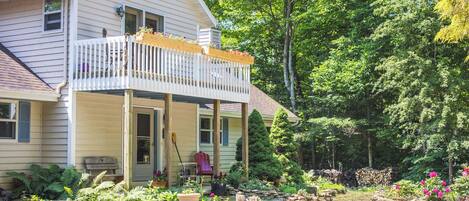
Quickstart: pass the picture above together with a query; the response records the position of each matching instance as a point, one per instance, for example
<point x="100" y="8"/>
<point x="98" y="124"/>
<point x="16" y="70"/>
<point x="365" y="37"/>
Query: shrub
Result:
<point x="49" y="183"/>
<point x="461" y="184"/>
<point x="324" y="184"/>
<point x="263" y="164"/>
<point x="256" y="184"/>
<point x="282" y="139"/>
<point x="434" y="188"/>
<point x="404" y="189"/>
<point x="288" y="188"/>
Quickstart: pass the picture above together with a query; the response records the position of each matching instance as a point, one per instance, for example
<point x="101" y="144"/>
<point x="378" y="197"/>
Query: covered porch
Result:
<point x="149" y="93"/>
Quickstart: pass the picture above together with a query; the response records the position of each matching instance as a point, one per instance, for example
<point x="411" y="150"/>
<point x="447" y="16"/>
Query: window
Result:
<point x="52" y="15"/>
<point x="134" y="20"/>
<point x="206" y="130"/>
<point x="8" y="119"/>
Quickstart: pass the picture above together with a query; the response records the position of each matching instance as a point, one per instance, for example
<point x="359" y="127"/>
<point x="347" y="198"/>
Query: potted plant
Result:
<point x="191" y="192"/>
<point x="160" y="179"/>
<point x="219" y="185"/>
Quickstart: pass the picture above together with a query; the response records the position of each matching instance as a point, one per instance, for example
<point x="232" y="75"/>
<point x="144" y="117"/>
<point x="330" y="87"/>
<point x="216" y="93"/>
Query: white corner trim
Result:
<point x="198" y="127"/>
<point x="208" y="12"/>
<point x="29" y="95"/>
<point x="71" y="134"/>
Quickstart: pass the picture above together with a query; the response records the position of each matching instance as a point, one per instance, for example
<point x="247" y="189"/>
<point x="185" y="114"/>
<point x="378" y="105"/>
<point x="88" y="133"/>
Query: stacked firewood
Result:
<point x="369" y="176"/>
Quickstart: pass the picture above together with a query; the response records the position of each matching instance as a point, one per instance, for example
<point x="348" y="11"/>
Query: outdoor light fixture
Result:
<point x="120" y="11"/>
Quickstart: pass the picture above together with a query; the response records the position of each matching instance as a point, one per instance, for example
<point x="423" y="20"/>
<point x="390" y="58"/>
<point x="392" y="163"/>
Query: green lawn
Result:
<point x="355" y="195"/>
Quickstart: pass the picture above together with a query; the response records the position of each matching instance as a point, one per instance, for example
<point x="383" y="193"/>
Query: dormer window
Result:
<point x="52" y="15"/>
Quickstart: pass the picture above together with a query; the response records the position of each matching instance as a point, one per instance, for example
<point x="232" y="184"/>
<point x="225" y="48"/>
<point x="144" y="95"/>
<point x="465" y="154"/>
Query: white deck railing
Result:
<point x="122" y="63"/>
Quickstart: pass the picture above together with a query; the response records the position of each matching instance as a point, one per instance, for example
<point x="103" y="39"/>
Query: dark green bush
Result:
<point x="263" y="164"/>
<point x="51" y="183"/>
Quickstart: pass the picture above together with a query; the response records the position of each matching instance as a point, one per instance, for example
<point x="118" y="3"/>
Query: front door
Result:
<point x="143" y="145"/>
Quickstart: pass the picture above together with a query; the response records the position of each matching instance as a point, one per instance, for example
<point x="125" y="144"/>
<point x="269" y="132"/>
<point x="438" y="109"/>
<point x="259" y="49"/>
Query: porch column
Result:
<point x="245" y="137"/>
<point x="128" y="136"/>
<point x="168" y="130"/>
<point x="216" y="137"/>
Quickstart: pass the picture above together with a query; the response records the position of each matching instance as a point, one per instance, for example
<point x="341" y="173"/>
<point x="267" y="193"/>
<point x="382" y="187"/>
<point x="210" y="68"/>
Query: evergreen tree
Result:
<point x="262" y="163"/>
<point x="239" y="149"/>
<point x="282" y="139"/>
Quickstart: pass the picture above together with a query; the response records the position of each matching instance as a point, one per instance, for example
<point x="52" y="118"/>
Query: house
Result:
<point x="75" y="81"/>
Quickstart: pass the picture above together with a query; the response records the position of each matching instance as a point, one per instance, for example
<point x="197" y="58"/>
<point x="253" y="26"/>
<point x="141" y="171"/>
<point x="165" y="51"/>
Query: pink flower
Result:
<point x="425" y="191"/>
<point x="422" y="182"/>
<point x="432" y="174"/>
<point x="443" y="183"/>
<point x="448" y="189"/>
<point x="440" y="194"/>
<point x="435" y="190"/>
<point x="212" y="194"/>
<point x="465" y="173"/>
<point x="397" y="186"/>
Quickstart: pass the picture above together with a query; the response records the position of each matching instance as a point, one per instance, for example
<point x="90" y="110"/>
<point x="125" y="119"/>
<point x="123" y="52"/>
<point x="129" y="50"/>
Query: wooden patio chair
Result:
<point x="203" y="164"/>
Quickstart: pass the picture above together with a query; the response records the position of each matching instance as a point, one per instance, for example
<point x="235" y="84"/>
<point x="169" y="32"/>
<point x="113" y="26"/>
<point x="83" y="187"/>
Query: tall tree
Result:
<point x="457" y="12"/>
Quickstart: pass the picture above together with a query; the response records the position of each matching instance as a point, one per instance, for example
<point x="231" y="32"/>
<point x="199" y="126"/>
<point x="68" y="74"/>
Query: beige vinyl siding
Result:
<point x="227" y="153"/>
<point x="21" y="31"/>
<point x="18" y="156"/>
<point x="99" y="127"/>
<point x="181" y="17"/>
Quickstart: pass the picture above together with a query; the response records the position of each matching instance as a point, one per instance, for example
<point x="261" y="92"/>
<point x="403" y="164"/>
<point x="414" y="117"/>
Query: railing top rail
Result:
<point x="101" y="40"/>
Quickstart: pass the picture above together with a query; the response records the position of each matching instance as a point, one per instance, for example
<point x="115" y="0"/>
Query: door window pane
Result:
<point x="143" y="125"/>
<point x="143" y="139"/>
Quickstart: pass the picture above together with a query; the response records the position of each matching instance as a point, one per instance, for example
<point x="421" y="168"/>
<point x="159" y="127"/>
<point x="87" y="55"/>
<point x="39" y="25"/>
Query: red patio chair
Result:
<point x="203" y="164"/>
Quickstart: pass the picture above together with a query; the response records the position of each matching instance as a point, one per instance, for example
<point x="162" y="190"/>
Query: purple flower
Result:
<point x="432" y="174"/>
<point x="212" y="194"/>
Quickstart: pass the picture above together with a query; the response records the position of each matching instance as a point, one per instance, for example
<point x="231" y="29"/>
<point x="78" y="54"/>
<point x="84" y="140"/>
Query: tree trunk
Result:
<point x="313" y="154"/>
<point x="333" y="155"/>
<point x="288" y="71"/>
<point x="370" y="154"/>
<point x="450" y="169"/>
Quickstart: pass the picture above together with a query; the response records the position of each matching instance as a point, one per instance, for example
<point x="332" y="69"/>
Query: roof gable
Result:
<point x="207" y="12"/>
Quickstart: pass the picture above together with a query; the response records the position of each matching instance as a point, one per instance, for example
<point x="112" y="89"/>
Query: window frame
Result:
<point x="142" y="17"/>
<point x="44" y="13"/>
<point x="10" y="140"/>
<point x="210" y="130"/>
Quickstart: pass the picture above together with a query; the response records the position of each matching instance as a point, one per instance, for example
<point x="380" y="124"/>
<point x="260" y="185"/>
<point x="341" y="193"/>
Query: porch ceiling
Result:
<point x="160" y="96"/>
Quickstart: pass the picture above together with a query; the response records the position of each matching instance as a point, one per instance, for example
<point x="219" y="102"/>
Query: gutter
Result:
<point x="62" y="84"/>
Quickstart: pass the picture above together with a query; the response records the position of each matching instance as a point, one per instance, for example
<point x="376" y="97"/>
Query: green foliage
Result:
<point x="236" y="176"/>
<point x="404" y="190"/>
<point x="286" y="149"/>
<point x="239" y="149"/>
<point x="324" y="184"/>
<point x="256" y="184"/>
<point x="262" y="163"/>
<point x="461" y="183"/>
<point x="49" y="183"/>
<point x="287" y="188"/>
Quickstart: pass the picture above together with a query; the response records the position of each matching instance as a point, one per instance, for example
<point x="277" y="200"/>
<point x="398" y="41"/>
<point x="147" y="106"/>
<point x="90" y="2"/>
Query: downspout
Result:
<point x="66" y="25"/>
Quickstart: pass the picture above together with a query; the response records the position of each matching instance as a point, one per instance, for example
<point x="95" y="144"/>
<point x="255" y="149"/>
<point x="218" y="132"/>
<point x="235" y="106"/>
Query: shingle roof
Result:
<point x="16" y="76"/>
<point x="260" y="101"/>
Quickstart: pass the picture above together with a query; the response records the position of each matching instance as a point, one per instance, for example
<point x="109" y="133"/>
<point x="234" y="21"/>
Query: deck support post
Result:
<point x="216" y="137"/>
<point x="168" y="130"/>
<point x="245" y="137"/>
<point x="128" y="136"/>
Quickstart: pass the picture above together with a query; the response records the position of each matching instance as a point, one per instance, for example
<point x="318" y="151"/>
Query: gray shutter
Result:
<point x="226" y="134"/>
<point x="24" y="122"/>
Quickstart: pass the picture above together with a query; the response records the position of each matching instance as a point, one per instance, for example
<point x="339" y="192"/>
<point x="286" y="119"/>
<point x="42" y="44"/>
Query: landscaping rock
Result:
<point x="332" y="175"/>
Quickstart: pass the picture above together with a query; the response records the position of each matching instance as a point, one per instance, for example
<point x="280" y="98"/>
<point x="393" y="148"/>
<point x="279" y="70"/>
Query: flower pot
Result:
<point x="189" y="197"/>
<point x="159" y="184"/>
<point x="219" y="189"/>
<point x="167" y="42"/>
<point x="229" y="56"/>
